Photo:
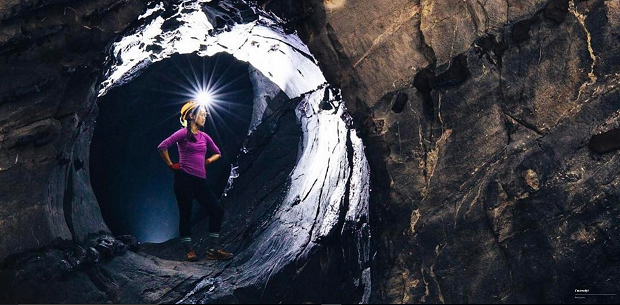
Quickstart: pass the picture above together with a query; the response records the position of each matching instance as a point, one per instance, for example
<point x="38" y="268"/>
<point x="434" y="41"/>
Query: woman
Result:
<point x="190" y="178"/>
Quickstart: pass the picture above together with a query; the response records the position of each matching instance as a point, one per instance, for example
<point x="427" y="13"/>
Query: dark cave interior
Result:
<point x="132" y="184"/>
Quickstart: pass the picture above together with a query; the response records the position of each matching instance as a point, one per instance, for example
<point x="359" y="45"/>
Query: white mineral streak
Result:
<point x="322" y="172"/>
<point x="360" y="182"/>
<point x="151" y="11"/>
<point x="313" y="204"/>
<point x="283" y="58"/>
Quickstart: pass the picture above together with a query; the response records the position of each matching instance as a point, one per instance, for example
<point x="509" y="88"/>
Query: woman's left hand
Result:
<point x="212" y="159"/>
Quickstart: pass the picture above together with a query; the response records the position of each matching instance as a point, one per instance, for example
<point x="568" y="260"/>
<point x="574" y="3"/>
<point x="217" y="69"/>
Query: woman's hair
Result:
<point x="188" y="115"/>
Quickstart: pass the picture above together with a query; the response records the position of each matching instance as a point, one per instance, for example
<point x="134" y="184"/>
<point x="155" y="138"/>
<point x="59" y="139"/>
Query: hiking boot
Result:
<point x="191" y="256"/>
<point x="219" y="254"/>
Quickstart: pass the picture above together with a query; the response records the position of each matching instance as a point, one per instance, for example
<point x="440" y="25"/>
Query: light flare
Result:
<point x="204" y="98"/>
<point x="214" y="87"/>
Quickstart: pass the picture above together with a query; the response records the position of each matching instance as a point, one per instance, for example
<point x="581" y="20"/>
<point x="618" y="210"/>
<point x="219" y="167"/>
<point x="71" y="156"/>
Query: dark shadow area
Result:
<point x="132" y="184"/>
<point x="605" y="142"/>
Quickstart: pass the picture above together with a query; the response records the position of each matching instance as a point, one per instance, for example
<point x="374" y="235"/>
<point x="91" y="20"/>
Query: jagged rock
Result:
<point x="130" y="241"/>
<point x="92" y="256"/>
<point x="225" y="14"/>
<point x="605" y="142"/>
<point x="108" y="246"/>
<point x="556" y="10"/>
<point x="105" y="246"/>
<point x="80" y="254"/>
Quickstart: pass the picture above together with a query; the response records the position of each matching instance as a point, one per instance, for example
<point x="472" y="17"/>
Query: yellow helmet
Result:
<point x="189" y="106"/>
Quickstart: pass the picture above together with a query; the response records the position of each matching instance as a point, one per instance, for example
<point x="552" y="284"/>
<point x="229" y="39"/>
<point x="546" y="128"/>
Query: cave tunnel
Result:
<point x="301" y="182"/>
<point x="132" y="184"/>
<point x="300" y="193"/>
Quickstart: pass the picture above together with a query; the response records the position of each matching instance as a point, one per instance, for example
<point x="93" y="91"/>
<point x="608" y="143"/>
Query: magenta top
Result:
<point x="192" y="155"/>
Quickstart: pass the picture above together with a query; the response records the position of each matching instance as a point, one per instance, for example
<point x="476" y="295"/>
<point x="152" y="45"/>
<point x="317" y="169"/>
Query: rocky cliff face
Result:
<point x="491" y="130"/>
<point x="51" y="51"/>
<point x="485" y="125"/>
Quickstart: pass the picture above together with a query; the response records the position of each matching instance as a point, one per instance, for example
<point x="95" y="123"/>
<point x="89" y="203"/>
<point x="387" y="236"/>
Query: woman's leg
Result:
<point x="184" y="192"/>
<point x="206" y="198"/>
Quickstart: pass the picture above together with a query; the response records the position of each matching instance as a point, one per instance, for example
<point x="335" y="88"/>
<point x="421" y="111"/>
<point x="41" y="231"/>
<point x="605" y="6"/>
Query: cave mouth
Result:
<point x="299" y="204"/>
<point x="303" y="178"/>
<point x="144" y="69"/>
<point x="132" y="184"/>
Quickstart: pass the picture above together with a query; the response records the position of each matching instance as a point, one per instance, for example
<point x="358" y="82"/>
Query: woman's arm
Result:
<point x="213" y="158"/>
<point x="163" y="148"/>
<point x="214" y="149"/>
<point x="165" y="156"/>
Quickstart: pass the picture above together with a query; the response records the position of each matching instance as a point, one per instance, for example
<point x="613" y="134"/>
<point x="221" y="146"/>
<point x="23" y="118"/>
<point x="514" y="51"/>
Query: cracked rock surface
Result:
<point x="493" y="169"/>
<point x="490" y="128"/>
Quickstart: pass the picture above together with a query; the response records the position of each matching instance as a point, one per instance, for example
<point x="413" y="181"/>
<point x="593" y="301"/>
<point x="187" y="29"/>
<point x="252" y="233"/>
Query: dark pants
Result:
<point x="186" y="189"/>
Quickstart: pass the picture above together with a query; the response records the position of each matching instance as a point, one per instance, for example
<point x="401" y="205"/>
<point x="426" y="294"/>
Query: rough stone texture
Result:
<point x="369" y="46"/>
<point x="484" y="188"/>
<point x="386" y="51"/>
<point x="49" y="56"/>
<point x="130" y="278"/>
<point x="450" y="27"/>
<point x="490" y="181"/>
<point x="374" y="47"/>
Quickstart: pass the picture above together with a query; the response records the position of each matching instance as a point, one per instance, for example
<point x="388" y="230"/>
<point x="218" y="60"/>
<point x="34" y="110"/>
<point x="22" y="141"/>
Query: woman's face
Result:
<point x="201" y="117"/>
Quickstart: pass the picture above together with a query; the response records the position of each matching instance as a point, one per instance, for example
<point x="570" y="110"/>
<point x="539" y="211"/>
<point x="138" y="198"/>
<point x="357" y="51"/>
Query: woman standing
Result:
<point x="190" y="178"/>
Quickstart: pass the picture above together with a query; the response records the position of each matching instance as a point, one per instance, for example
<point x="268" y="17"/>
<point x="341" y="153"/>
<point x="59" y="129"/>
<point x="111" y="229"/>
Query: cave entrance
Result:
<point x="132" y="184"/>
<point x="304" y="181"/>
<point x="143" y="59"/>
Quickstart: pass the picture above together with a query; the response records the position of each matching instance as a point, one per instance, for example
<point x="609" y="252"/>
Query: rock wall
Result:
<point x="478" y="117"/>
<point x="50" y="55"/>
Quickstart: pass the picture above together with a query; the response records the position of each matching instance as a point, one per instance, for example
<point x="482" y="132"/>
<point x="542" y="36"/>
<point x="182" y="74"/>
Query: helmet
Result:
<point x="187" y="108"/>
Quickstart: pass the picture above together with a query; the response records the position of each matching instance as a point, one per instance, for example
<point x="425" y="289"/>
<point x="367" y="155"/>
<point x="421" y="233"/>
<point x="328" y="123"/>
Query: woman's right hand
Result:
<point x="164" y="156"/>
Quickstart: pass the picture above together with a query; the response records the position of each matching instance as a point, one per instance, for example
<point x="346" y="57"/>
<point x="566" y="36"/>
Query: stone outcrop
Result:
<point x="51" y="53"/>
<point x="486" y="156"/>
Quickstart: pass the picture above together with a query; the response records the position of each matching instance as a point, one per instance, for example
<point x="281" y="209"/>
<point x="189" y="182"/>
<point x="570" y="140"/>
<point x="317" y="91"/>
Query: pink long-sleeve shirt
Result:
<point x="192" y="155"/>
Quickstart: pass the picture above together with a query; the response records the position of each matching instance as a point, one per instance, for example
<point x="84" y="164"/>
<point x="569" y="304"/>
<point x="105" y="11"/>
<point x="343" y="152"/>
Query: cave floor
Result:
<point x="161" y="274"/>
<point x="157" y="273"/>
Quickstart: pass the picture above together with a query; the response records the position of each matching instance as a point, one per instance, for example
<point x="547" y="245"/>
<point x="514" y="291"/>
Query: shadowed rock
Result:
<point x="521" y="31"/>
<point x="556" y="10"/>
<point x="606" y="142"/>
